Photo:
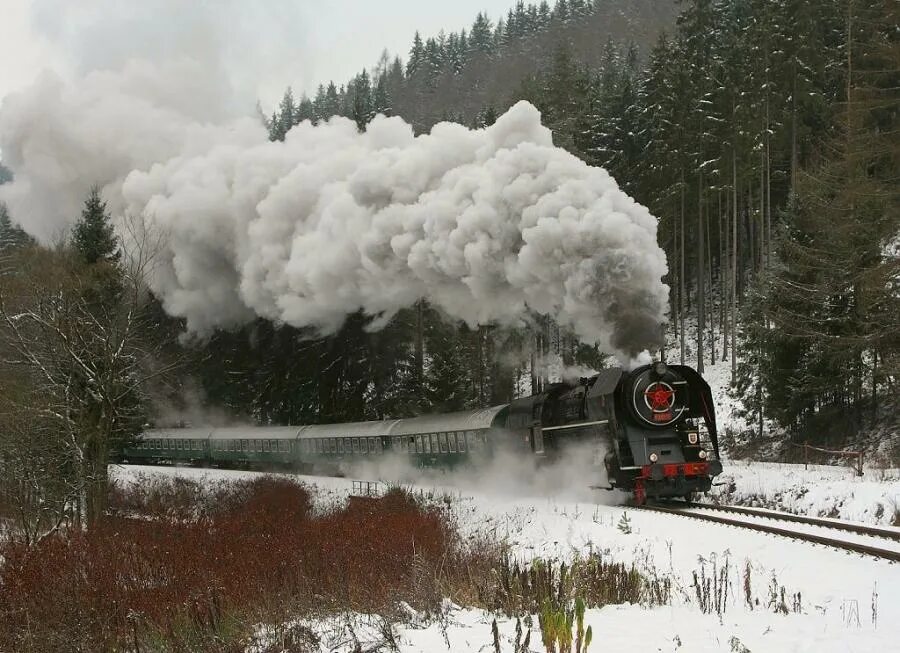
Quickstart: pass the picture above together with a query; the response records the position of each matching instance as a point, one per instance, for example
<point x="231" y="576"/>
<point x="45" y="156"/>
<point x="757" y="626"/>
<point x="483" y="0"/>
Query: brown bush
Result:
<point x="190" y="569"/>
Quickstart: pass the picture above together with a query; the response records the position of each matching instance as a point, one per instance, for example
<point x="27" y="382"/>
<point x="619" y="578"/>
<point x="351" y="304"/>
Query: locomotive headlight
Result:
<point x="660" y="368"/>
<point x="693" y="437"/>
<point x="702" y="454"/>
<point x="654" y="457"/>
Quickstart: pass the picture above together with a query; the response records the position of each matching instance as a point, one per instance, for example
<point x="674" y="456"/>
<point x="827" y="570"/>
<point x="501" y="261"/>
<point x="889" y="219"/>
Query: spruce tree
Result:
<point x="93" y="237"/>
<point x="12" y="236"/>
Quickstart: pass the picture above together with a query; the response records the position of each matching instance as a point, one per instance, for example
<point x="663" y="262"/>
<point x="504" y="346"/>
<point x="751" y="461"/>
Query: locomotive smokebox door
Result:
<point x="537" y="440"/>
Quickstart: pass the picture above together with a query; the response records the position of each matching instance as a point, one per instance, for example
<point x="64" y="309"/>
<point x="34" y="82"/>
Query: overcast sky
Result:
<point x="326" y="39"/>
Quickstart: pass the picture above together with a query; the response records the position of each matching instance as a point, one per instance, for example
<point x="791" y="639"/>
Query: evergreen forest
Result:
<point x="762" y="133"/>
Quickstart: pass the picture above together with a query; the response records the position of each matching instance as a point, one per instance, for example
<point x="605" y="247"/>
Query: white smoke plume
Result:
<point x="489" y="225"/>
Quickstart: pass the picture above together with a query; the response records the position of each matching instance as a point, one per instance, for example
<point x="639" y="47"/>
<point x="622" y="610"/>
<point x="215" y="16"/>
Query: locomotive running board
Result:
<point x="575" y="426"/>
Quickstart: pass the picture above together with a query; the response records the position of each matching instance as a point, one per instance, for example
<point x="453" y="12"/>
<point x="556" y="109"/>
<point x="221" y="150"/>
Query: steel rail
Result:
<point x="861" y="529"/>
<point x="876" y="552"/>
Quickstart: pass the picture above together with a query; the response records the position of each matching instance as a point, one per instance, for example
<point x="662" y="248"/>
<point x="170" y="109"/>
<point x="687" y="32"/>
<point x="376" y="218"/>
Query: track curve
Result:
<point x="696" y="511"/>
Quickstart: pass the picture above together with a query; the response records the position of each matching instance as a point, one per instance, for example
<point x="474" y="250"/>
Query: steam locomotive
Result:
<point x="655" y="424"/>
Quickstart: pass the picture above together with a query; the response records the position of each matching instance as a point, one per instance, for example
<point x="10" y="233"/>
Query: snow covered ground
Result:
<point x="849" y="602"/>
<point x="818" y="491"/>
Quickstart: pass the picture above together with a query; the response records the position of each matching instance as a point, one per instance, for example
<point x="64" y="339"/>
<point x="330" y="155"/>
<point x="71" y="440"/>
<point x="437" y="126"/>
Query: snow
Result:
<point x="616" y="628"/>
<point x="849" y="602"/>
<point x="818" y="491"/>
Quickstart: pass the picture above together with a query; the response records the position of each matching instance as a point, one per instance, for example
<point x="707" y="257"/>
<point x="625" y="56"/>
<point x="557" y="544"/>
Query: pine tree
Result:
<point x="481" y="37"/>
<point x="416" y="56"/>
<point x="362" y="111"/>
<point x="12" y="236"/>
<point x="93" y="237"/>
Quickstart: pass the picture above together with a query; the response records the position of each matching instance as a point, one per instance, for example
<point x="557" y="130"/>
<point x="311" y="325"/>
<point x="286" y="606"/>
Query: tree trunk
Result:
<point x="722" y="267"/>
<point x="734" y="262"/>
<point x="794" y="154"/>
<point x="711" y="314"/>
<point x="701" y="272"/>
<point x="419" y="353"/>
<point x="681" y="276"/>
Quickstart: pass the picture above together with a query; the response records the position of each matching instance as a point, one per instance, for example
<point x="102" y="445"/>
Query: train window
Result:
<point x="266" y="446"/>
<point x="451" y="438"/>
<point x="435" y="447"/>
<point x="372" y="442"/>
<point x="284" y="445"/>
<point x="442" y="437"/>
<point x="461" y="440"/>
<point x="363" y="446"/>
<point x="419" y="446"/>
<point x="340" y="445"/>
<point x="378" y="445"/>
<point x="332" y="445"/>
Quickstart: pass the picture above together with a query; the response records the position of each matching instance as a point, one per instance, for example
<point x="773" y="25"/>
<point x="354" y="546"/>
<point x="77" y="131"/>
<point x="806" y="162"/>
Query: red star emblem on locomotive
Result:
<point x="659" y="397"/>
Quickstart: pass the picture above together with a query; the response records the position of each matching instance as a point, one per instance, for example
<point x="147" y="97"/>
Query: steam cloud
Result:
<point x="489" y="225"/>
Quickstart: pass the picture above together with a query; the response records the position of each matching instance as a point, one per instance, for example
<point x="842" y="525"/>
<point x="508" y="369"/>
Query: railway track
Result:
<point x="862" y="539"/>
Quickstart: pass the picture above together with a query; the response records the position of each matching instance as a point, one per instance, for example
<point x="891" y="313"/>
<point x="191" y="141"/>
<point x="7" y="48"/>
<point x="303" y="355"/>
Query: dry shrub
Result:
<point x="192" y="569"/>
<point x="500" y="583"/>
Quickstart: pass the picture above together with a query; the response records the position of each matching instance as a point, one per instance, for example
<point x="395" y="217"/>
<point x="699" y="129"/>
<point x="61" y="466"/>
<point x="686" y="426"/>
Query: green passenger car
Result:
<point x="447" y="440"/>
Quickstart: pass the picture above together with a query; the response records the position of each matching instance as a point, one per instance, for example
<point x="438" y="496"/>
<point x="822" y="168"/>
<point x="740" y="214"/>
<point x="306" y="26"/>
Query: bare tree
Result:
<point x="85" y="342"/>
